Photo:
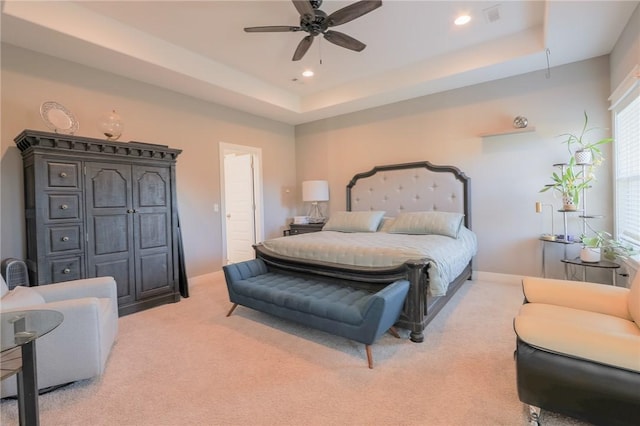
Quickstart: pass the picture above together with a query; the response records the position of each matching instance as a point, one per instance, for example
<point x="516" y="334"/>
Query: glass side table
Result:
<point x="19" y="331"/>
<point x="603" y="264"/>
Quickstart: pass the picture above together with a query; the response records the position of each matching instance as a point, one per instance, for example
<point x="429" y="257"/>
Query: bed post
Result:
<point x="416" y="304"/>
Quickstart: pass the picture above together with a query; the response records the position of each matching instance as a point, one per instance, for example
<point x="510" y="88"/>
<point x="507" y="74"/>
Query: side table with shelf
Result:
<point x="544" y="256"/>
<point x="297" y="228"/>
<point x="603" y="264"/>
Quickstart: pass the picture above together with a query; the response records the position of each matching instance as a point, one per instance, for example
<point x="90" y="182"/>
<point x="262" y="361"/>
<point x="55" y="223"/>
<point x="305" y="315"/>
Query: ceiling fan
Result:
<point x="314" y="21"/>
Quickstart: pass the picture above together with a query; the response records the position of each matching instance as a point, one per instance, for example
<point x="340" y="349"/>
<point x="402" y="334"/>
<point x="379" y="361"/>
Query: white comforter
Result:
<point x="447" y="256"/>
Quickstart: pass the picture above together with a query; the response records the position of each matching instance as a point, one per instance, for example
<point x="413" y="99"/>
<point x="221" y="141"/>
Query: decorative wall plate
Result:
<point x="58" y="118"/>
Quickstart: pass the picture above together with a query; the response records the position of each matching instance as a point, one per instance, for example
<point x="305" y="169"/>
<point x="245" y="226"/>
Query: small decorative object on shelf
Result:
<point x="520" y="122"/>
<point x="58" y="118"/>
<point x="111" y="125"/>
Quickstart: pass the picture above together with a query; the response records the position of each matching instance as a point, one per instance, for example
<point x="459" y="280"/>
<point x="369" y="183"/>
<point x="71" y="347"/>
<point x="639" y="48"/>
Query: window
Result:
<point x="626" y="119"/>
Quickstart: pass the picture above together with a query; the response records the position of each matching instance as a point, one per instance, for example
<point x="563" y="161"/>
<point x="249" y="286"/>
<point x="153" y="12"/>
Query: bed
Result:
<point x="402" y="198"/>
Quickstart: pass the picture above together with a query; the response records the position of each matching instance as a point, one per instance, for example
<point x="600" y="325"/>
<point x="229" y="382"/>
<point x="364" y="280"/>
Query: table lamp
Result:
<point x="315" y="191"/>
<point x="539" y="207"/>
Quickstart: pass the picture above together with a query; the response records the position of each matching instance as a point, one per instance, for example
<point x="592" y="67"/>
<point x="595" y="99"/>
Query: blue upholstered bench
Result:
<point x="337" y="309"/>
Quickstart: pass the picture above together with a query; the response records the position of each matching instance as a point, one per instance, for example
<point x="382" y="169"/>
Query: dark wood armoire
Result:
<point x="97" y="207"/>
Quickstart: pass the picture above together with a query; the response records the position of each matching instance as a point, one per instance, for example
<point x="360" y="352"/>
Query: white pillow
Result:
<point x="20" y="297"/>
<point x="366" y="221"/>
<point x="385" y="224"/>
<point x="431" y="222"/>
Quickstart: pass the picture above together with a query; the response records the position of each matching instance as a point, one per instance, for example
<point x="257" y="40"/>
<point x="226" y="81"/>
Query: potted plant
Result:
<point x="591" y="250"/>
<point x="584" y="152"/>
<point x="569" y="183"/>
<point x="602" y="244"/>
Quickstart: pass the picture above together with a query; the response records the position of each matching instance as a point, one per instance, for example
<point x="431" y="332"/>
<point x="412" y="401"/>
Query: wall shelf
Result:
<point x="507" y="132"/>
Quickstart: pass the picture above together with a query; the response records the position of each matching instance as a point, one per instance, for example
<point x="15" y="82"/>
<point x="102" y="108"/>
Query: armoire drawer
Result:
<point x="64" y="206"/>
<point x="62" y="175"/>
<point x="64" y="238"/>
<point x="65" y="268"/>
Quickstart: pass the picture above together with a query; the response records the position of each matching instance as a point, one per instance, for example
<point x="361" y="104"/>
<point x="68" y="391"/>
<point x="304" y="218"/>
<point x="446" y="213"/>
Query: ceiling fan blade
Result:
<point x="302" y="48"/>
<point x="344" y="40"/>
<point x="304" y="8"/>
<point x="353" y="11"/>
<point x="272" y="29"/>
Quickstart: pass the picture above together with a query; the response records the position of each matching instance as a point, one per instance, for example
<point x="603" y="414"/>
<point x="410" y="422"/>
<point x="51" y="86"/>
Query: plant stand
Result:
<point x="603" y="264"/>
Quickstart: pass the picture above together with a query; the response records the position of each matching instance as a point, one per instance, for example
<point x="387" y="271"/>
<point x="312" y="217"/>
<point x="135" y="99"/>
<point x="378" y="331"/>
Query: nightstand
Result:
<point x="295" y="229"/>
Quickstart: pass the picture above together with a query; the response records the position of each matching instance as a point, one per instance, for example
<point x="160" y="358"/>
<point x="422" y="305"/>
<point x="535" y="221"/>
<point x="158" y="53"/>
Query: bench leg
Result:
<point x="394" y="332"/>
<point x="235" y="305"/>
<point x="369" y="356"/>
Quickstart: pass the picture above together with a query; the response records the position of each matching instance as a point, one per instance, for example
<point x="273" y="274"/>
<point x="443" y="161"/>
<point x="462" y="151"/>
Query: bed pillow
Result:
<point x="366" y="221"/>
<point x="431" y="222"/>
<point x="385" y="224"/>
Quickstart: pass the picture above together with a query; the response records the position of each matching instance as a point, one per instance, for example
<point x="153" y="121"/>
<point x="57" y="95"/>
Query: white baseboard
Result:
<point x="211" y="276"/>
<point x="495" y="277"/>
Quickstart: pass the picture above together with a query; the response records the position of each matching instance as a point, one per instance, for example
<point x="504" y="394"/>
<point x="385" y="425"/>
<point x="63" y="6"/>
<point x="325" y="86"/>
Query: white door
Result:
<point x="241" y="210"/>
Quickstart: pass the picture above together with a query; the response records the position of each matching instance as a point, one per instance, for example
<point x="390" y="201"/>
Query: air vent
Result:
<point x="492" y="14"/>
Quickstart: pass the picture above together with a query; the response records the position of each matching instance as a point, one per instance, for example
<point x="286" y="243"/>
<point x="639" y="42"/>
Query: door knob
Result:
<point x="65" y="238"/>
<point x="66" y="270"/>
<point x="64" y="207"/>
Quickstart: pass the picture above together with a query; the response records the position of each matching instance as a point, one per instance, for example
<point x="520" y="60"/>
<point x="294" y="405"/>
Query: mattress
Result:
<point x="447" y="257"/>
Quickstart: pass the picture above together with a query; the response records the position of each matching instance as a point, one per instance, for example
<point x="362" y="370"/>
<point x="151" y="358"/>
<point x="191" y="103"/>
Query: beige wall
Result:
<point x="626" y="53"/>
<point x="506" y="171"/>
<point x="152" y="115"/>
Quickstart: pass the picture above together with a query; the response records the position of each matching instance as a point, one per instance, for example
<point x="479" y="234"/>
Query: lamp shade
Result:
<point x="315" y="190"/>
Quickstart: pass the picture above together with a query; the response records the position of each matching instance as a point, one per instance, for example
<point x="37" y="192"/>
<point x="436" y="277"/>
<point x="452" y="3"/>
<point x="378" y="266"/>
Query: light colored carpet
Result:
<point x="188" y="364"/>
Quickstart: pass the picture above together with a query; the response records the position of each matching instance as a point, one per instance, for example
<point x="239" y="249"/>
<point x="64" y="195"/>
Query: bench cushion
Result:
<point x="319" y="298"/>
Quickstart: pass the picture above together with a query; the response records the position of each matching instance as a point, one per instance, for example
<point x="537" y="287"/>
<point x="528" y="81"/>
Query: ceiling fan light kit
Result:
<point x="315" y="22"/>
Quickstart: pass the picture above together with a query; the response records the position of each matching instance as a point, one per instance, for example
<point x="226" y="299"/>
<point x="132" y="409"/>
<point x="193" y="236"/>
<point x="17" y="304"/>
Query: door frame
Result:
<point x="256" y="154"/>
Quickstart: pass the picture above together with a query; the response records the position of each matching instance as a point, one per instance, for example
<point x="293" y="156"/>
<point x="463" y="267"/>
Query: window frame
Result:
<point x="624" y="95"/>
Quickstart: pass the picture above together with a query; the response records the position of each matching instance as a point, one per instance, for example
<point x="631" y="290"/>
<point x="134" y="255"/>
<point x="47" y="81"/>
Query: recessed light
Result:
<point x="307" y="73"/>
<point x="462" y="20"/>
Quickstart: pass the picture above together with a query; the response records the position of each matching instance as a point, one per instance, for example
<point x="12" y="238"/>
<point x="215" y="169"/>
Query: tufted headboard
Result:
<point x="411" y="187"/>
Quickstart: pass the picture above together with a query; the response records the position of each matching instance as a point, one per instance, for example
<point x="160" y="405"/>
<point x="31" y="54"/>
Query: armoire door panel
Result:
<point x="110" y="221"/>
<point x="120" y="270"/>
<point x="152" y="187"/>
<point x="111" y="186"/>
<point x="153" y="274"/>
<point x="152" y="230"/>
<point x="111" y="234"/>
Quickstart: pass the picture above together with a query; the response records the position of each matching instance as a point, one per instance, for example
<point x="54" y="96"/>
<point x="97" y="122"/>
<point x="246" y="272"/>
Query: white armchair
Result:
<point x="78" y="349"/>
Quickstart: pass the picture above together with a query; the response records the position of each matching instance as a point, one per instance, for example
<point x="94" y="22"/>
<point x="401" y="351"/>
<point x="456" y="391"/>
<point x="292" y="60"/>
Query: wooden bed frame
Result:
<point x="396" y="188"/>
